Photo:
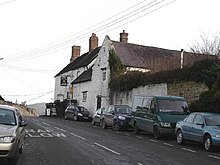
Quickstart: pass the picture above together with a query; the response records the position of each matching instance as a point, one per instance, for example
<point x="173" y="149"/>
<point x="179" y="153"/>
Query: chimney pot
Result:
<point x="124" y="37"/>
<point x="75" y="52"/>
<point x="93" y="42"/>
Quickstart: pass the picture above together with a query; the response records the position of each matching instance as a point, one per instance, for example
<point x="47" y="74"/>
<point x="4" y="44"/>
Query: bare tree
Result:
<point x="207" y="45"/>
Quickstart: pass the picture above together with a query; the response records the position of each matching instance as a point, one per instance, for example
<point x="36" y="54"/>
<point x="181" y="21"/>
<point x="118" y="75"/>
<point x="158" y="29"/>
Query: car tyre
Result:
<point x="93" y="122"/>
<point x="115" y="126"/>
<point x="156" y="132"/>
<point x="13" y="160"/>
<point x="208" y="143"/>
<point x="103" y="124"/>
<point x="75" y="118"/>
<point x="65" y="117"/>
<point x="179" y="137"/>
<point x="136" y="129"/>
<point x="21" y="149"/>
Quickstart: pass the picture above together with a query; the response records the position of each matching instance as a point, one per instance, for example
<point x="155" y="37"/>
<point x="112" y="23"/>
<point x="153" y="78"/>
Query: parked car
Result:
<point x="77" y="113"/>
<point x="158" y="114"/>
<point x="116" y="116"/>
<point x="97" y="116"/>
<point x="12" y="133"/>
<point x="200" y="127"/>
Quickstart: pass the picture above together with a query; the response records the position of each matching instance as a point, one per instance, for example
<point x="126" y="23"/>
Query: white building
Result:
<point x="86" y="78"/>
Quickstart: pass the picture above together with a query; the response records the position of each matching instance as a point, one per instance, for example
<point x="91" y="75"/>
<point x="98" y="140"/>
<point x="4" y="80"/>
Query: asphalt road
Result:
<point x="54" y="141"/>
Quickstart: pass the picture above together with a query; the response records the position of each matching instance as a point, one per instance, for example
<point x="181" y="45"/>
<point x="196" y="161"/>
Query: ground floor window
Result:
<point x="84" y="96"/>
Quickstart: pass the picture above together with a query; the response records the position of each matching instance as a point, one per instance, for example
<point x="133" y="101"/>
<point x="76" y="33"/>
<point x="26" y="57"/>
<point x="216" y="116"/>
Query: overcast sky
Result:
<point x="36" y="35"/>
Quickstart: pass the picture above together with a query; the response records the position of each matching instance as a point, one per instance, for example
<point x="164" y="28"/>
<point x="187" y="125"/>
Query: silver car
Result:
<point x="12" y="133"/>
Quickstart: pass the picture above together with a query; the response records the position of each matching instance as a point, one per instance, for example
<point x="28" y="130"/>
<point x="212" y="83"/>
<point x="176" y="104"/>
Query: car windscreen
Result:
<point x="172" y="105"/>
<point x="212" y="120"/>
<point x="122" y="110"/>
<point x="82" y="109"/>
<point x="7" y="117"/>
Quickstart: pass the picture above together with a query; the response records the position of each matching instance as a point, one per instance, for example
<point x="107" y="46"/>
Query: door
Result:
<point x="187" y="126"/>
<point x="197" y="128"/>
<point x="109" y="115"/>
<point x="144" y="115"/>
<point x="99" y="100"/>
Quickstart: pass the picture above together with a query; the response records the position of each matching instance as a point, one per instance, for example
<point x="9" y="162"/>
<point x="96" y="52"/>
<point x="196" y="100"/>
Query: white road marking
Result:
<point x="139" y="164"/>
<point x="215" y="157"/>
<point x="60" y="129"/>
<point x="56" y="127"/>
<point x="107" y="148"/>
<point x="127" y="134"/>
<point x="78" y="136"/>
<point x="46" y="124"/>
<point x="155" y="141"/>
<point x="167" y="144"/>
<point x="186" y="149"/>
<point x="140" y="137"/>
<point x="63" y="130"/>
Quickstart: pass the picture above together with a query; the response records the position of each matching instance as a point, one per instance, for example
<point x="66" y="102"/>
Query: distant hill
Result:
<point x="39" y="107"/>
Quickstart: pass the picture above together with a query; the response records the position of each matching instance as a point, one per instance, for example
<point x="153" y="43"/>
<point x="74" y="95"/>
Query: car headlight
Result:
<point x="163" y="124"/>
<point x="79" y="114"/>
<point x="7" y="139"/>
<point x="121" y="117"/>
<point x="218" y="135"/>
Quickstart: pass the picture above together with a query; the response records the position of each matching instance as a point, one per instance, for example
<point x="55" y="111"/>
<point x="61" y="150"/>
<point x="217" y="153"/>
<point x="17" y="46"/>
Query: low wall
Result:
<point x="190" y="90"/>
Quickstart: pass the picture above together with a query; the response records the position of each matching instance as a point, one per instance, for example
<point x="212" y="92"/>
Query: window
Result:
<point x="190" y="118"/>
<point x="84" y="96"/>
<point x="103" y="74"/>
<point x="198" y="119"/>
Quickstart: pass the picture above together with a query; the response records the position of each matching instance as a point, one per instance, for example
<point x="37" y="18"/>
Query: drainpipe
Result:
<point x="181" y="58"/>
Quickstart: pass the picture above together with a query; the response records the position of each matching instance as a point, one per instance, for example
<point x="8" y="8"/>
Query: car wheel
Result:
<point x="93" y="122"/>
<point x="103" y="124"/>
<point x="13" y="160"/>
<point x="179" y="137"/>
<point x="208" y="143"/>
<point x="75" y="118"/>
<point x="21" y="149"/>
<point x="136" y="129"/>
<point x="115" y="126"/>
<point x="65" y="117"/>
<point x="156" y="132"/>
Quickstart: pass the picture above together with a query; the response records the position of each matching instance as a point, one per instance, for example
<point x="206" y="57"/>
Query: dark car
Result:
<point x="200" y="127"/>
<point x="116" y="116"/>
<point x="77" y="113"/>
<point x="12" y="133"/>
<point x="97" y="116"/>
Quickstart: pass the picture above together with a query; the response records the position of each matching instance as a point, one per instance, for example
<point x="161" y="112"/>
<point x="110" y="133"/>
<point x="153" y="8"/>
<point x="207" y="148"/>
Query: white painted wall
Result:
<point x="148" y="90"/>
<point x="96" y="86"/>
<point x="72" y="75"/>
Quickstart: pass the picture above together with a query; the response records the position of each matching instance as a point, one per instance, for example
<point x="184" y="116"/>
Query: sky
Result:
<point x="36" y="36"/>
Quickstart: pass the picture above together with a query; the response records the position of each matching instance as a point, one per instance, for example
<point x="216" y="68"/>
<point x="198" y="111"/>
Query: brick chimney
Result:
<point x="93" y="42"/>
<point x="75" y="53"/>
<point x="124" y="37"/>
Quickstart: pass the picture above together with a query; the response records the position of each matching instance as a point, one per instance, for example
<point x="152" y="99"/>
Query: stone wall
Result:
<point x="190" y="90"/>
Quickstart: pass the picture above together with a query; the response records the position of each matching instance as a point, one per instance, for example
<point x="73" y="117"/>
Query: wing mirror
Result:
<point x="23" y="123"/>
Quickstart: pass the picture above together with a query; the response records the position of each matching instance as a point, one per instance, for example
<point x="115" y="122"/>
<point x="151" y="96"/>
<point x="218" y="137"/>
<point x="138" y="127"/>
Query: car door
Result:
<point x="187" y="126"/>
<point x="70" y="112"/>
<point x="146" y="115"/>
<point x="197" y="128"/>
<point x="109" y="115"/>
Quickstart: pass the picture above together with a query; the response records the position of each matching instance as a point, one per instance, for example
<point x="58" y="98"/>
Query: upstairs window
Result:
<point x="103" y="74"/>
